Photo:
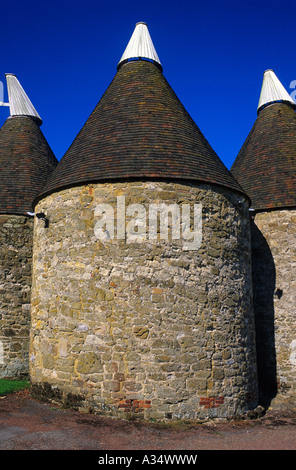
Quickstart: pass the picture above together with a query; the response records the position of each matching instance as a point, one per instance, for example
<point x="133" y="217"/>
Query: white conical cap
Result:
<point x="19" y="103"/>
<point x="140" y="46"/>
<point x="272" y="90"/>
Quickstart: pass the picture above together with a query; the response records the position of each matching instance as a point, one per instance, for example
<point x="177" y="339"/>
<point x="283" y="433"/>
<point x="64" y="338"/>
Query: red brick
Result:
<point x="211" y="402"/>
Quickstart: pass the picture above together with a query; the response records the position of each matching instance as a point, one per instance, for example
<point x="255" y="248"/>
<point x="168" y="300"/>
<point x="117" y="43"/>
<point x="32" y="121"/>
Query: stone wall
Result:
<point x="149" y="328"/>
<point x="274" y="271"/>
<point x="16" y="238"/>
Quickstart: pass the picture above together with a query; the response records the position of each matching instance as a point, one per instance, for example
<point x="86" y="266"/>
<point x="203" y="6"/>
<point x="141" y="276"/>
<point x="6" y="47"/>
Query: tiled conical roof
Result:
<point x="139" y="129"/>
<point x="266" y="164"/>
<point x="26" y="161"/>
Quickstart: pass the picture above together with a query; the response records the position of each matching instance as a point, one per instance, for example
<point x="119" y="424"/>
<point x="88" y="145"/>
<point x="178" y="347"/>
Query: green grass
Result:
<point x="9" y="386"/>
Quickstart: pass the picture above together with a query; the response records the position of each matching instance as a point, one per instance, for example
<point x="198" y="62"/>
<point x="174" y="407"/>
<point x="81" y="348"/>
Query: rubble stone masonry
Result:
<point x="274" y="270"/>
<point x="144" y="328"/>
<point x="16" y="239"/>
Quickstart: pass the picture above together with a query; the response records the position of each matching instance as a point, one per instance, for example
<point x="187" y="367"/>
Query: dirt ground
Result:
<point x="27" y="424"/>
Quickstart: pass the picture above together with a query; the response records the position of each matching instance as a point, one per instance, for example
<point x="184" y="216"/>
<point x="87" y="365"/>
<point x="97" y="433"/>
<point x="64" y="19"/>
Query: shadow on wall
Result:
<point x="263" y="295"/>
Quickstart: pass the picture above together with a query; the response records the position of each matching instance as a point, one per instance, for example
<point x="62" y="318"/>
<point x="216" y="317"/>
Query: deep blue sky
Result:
<point x="213" y="53"/>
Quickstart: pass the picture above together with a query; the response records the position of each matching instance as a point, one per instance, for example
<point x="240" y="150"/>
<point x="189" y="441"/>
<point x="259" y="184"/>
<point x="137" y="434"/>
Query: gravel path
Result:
<point x="26" y="424"/>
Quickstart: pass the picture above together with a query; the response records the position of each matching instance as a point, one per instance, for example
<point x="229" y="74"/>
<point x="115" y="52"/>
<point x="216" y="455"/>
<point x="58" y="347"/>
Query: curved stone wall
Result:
<point x="154" y="328"/>
<point x="16" y="240"/>
<point x="274" y="268"/>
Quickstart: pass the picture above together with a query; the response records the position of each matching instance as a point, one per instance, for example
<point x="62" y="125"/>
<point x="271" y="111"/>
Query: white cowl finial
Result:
<point x="272" y="91"/>
<point x="140" y="46"/>
<point x="19" y="103"/>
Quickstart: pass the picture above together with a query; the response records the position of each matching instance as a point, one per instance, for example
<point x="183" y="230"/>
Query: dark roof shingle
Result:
<point x="266" y="164"/>
<point x="139" y="129"/>
<point x="26" y="161"/>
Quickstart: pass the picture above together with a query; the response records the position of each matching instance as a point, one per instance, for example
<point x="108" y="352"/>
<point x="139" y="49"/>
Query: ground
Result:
<point x="27" y="424"/>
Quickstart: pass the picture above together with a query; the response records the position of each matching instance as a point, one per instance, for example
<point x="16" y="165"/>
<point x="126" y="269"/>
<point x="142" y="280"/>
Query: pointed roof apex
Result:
<point x="273" y="91"/>
<point x="19" y="103"/>
<point x="140" y="46"/>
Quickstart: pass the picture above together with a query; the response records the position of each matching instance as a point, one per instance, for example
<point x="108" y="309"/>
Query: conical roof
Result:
<point x="139" y="129"/>
<point x="266" y="164"/>
<point x="26" y="160"/>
